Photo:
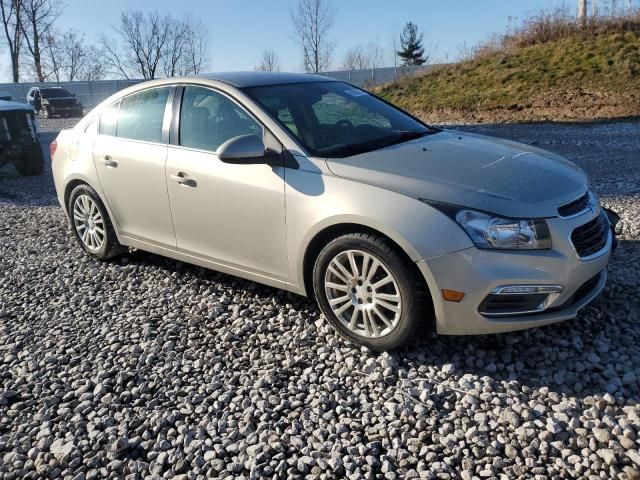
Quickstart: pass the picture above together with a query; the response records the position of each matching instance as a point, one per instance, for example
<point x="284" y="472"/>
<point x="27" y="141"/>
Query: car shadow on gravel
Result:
<point x="593" y="354"/>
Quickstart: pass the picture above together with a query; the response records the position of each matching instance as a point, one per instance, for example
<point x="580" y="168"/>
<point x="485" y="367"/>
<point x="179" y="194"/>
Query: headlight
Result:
<point x="488" y="231"/>
<point x="491" y="231"/>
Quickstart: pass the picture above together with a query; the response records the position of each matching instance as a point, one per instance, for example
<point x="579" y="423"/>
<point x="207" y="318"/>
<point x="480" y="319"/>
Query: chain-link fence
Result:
<point x="92" y="93"/>
<point x="89" y="93"/>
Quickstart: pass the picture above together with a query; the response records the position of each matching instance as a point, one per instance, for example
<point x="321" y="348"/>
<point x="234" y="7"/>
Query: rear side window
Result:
<point x="109" y="120"/>
<point x="141" y="115"/>
<point x="208" y="119"/>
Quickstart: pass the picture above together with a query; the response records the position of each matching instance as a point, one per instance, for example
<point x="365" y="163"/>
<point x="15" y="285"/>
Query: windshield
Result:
<point x="334" y="119"/>
<point x="54" y="92"/>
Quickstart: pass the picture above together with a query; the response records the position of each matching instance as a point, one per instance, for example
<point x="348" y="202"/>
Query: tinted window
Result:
<point x="334" y="119"/>
<point x="141" y="115"/>
<point x="109" y="119"/>
<point x="208" y="119"/>
<point x="54" y="92"/>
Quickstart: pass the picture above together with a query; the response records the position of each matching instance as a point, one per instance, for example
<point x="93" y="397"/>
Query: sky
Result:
<point x="241" y="29"/>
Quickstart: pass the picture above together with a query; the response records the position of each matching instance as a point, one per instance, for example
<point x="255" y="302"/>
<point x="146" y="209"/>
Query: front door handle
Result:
<point x="108" y="161"/>
<point x="183" y="179"/>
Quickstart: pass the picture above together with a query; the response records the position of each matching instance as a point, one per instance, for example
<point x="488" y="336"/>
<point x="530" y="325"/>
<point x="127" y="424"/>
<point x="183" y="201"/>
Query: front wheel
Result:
<point x="91" y="224"/>
<point x="368" y="291"/>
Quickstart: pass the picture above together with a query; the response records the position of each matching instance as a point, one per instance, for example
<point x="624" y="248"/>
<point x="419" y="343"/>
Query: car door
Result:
<point x="130" y="154"/>
<point x="229" y="214"/>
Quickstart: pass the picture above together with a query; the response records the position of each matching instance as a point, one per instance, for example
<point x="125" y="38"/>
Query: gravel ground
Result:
<point x="148" y="367"/>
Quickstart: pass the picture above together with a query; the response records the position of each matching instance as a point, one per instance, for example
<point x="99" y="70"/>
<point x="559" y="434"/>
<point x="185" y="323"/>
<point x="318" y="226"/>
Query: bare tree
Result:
<point x="143" y="45"/>
<point x="374" y="54"/>
<point x="93" y="66"/>
<point x="10" y="10"/>
<point x="175" y="48"/>
<point x="269" y="62"/>
<point x="52" y="54"/>
<point x="186" y="47"/>
<point x="355" y="58"/>
<point x="150" y="45"/>
<point x="36" y="20"/>
<point x="394" y="44"/>
<point x="69" y="57"/>
<point x="312" y="21"/>
<point x="197" y="51"/>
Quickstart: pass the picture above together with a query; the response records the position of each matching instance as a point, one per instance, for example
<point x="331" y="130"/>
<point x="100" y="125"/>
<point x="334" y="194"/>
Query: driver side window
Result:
<point x="208" y="119"/>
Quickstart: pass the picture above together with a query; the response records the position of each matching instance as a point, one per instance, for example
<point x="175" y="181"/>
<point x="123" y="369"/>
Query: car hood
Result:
<point x="475" y="171"/>
<point x="7" y="105"/>
<point x="58" y="99"/>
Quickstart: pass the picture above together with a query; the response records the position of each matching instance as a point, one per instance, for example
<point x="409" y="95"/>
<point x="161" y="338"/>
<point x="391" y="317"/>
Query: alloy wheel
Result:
<point x="363" y="293"/>
<point x="88" y="222"/>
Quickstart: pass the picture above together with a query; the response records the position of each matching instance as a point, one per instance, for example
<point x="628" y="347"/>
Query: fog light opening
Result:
<point x="520" y="299"/>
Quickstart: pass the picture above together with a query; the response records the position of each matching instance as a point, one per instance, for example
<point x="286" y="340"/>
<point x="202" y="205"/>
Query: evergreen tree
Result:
<point x="412" y="50"/>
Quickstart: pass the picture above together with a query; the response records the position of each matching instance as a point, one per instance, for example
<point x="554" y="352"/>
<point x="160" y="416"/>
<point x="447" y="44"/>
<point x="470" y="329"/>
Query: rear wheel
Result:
<point x="91" y="224"/>
<point x="368" y="291"/>
<point x="32" y="161"/>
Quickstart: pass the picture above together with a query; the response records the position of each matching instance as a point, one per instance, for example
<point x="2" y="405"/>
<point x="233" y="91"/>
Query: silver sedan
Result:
<point x="320" y="188"/>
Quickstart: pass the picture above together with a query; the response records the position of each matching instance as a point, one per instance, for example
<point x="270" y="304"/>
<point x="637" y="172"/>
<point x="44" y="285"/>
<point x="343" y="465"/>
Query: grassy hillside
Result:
<point x="576" y="75"/>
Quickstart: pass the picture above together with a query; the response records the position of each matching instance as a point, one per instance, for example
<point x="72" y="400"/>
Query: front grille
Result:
<point x="576" y="206"/>
<point x="504" y="304"/>
<point x="62" y="103"/>
<point x="591" y="237"/>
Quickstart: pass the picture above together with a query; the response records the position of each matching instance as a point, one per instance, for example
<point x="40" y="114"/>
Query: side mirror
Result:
<point x="242" y="149"/>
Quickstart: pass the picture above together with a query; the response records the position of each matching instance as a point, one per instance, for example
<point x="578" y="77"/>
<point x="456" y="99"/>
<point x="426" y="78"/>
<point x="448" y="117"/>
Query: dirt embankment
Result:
<point x="557" y="105"/>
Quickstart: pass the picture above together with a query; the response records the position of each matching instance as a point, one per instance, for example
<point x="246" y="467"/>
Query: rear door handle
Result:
<point x="108" y="161"/>
<point x="183" y="179"/>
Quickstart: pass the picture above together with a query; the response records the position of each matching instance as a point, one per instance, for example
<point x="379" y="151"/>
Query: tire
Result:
<point x="372" y="297"/>
<point x="82" y="200"/>
<point x="32" y="161"/>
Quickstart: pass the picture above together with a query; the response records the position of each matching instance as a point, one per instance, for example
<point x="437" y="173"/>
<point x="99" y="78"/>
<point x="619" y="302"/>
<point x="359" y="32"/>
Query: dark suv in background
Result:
<point x="55" y="101"/>
<point x="19" y="143"/>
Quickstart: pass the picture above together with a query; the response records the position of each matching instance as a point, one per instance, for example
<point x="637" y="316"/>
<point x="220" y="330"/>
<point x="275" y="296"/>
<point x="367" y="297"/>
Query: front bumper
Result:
<point x="65" y="110"/>
<point x="478" y="272"/>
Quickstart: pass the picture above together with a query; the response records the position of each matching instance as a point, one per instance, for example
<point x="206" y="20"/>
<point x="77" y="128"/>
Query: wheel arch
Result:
<point x="330" y="232"/>
<point x="73" y="183"/>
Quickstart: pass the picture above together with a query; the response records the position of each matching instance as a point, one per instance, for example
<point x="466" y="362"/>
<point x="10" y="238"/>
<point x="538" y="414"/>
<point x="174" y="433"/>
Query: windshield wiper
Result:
<point x="406" y="135"/>
<point x="399" y="136"/>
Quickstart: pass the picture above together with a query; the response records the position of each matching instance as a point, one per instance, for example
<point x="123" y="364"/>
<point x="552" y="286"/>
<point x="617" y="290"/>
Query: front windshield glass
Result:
<point x="334" y="119"/>
<point x="54" y="92"/>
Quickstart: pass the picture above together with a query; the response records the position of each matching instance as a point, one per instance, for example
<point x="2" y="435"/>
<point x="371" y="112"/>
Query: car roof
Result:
<point x="255" y="79"/>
